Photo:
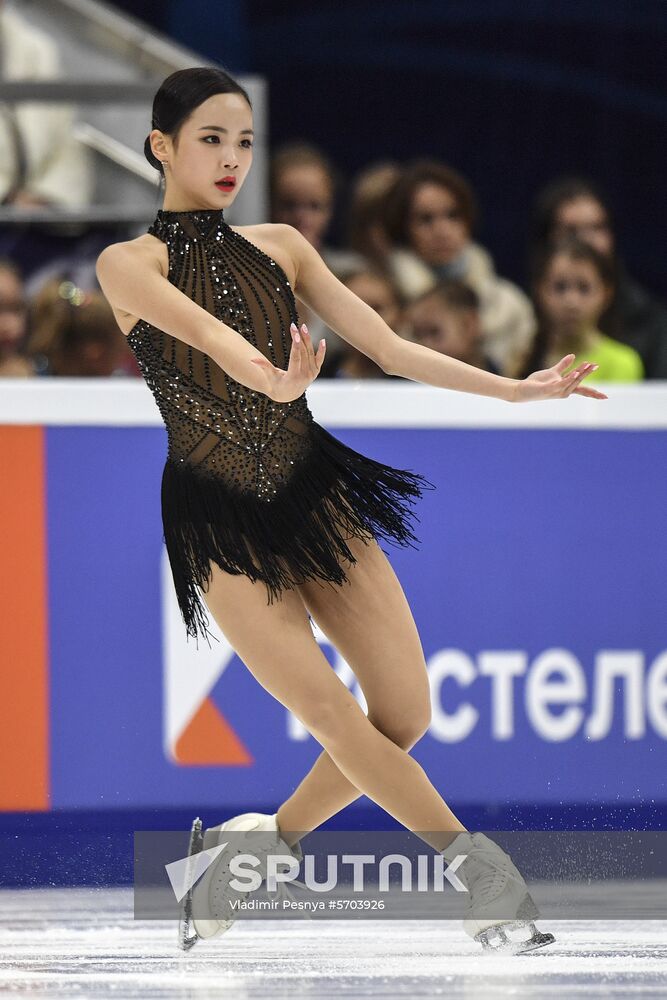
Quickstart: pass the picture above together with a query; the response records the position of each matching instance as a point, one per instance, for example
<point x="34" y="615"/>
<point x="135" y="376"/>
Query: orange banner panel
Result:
<point x="24" y="697"/>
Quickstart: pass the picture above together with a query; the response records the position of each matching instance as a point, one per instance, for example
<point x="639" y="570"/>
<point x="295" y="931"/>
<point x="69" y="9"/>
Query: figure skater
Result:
<point x="268" y="515"/>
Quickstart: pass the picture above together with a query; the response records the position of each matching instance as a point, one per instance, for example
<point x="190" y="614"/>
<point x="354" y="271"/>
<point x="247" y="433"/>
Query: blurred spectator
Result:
<point x="303" y="184"/>
<point x="40" y="160"/>
<point x="75" y="334"/>
<point x="367" y="234"/>
<point x="573" y="206"/>
<point x="73" y="262"/>
<point x="447" y="320"/>
<point x="14" y="362"/>
<point x="377" y="291"/>
<point x="430" y="216"/>
<point x="574" y="284"/>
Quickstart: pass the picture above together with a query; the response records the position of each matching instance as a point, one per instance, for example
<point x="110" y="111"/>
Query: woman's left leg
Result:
<point x="370" y="622"/>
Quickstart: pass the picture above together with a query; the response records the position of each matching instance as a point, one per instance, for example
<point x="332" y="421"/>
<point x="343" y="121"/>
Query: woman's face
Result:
<point x="572" y="295"/>
<point x="585" y="219"/>
<point x="213" y="143"/>
<point x="454" y="332"/>
<point x="437" y="231"/>
<point x="303" y="198"/>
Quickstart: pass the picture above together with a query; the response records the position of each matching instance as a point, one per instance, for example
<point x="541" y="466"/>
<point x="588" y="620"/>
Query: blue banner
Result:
<point x="538" y="588"/>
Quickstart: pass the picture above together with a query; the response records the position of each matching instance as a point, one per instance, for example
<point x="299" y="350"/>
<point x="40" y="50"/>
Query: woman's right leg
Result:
<point x="277" y="645"/>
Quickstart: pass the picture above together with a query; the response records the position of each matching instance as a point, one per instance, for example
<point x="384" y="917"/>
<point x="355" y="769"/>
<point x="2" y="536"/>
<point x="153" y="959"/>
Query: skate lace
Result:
<point x="487" y="883"/>
<point x="281" y="891"/>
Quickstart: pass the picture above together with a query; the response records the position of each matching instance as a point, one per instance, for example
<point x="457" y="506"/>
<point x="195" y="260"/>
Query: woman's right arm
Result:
<point x="131" y="280"/>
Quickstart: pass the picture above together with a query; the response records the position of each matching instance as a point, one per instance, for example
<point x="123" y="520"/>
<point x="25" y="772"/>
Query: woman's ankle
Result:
<point x="290" y="838"/>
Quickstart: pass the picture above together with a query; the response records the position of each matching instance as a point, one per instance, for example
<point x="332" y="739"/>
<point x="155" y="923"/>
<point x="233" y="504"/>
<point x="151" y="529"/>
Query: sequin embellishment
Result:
<point x="253" y="486"/>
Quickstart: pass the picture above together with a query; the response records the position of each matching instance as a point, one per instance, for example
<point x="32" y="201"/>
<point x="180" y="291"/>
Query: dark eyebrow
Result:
<point x="216" y="128"/>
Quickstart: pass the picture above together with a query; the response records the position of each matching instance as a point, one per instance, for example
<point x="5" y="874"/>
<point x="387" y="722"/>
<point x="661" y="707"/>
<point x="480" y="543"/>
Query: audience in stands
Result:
<point x="74" y="333"/>
<point x="376" y="289"/>
<point x="303" y="185"/>
<point x="431" y="213"/>
<point x="411" y="256"/>
<point x="447" y="319"/>
<point x="366" y="229"/>
<point x="14" y="360"/>
<point x="574" y="206"/>
<point x="573" y="286"/>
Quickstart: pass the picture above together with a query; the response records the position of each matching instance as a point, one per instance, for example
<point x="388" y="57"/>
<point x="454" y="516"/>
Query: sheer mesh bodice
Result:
<point x="256" y="487"/>
<point x="214" y="423"/>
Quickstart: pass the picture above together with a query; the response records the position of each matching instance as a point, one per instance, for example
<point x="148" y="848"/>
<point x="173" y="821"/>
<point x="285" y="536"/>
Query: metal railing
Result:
<point x="124" y="63"/>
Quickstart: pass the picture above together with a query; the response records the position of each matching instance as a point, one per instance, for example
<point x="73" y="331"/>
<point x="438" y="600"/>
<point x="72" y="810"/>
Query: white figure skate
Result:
<point x="499" y="902"/>
<point x="212" y="890"/>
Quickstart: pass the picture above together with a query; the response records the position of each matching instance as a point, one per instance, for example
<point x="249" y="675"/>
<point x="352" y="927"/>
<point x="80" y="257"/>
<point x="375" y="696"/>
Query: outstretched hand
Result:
<point x="553" y="384"/>
<point x="302" y="369"/>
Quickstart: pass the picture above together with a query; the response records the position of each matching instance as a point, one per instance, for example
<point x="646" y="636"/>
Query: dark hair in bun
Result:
<point x="180" y="94"/>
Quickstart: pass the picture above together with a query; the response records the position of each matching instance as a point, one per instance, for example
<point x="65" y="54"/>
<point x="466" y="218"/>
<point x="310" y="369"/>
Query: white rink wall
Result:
<point x="356" y="403"/>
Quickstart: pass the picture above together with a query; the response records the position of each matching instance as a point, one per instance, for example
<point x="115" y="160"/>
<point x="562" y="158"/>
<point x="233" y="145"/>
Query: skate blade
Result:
<point x="186" y="939"/>
<point x="538" y="940"/>
<point x="495" y="939"/>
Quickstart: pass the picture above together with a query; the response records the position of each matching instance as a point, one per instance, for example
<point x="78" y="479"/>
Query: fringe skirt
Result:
<point x="333" y="494"/>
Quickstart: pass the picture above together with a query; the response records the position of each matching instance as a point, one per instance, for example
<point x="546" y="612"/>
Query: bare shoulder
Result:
<point x="144" y="247"/>
<point x="275" y="239"/>
<point x="147" y="249"/>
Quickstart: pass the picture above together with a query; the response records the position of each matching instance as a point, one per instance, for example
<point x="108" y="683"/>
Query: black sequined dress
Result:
<point x="255" y="486"/>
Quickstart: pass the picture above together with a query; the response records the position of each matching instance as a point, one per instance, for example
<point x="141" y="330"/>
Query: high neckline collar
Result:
<point x="193" y="220"/>
<point x="210" y="213"/>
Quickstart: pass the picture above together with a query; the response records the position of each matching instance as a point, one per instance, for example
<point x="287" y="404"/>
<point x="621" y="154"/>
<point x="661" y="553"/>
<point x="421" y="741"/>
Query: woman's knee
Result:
<point x="404" y="728"/>
<point x="332" y="720"/>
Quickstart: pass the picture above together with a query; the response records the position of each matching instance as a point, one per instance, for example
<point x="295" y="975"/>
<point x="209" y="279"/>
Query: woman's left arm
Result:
<point x="360" y="325"/>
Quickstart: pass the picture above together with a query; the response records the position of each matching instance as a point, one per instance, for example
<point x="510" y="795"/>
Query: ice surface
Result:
<point x="85" y="942"/>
